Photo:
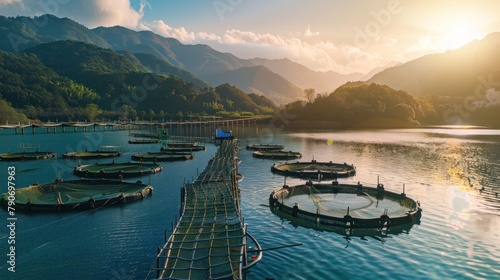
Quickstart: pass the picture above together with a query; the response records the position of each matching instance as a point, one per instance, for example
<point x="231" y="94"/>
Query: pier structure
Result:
<point x="180" y="128"/>
<point x="209" y="240"/>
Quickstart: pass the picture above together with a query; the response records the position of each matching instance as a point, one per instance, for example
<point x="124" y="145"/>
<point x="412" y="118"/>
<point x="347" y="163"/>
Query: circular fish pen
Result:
<point x="344" y="205"/>
<point x="277" y="155"/>
<point x="117" y="170"/>
<point x="22" y="156"/>
<point x="161" y="156"/>
<point x="91" y="154"/>
<point x="183" y="149"/>
<point x="75" y="195"/>
<point x="314" y="169"/>
<point x="265" y="147"/>
<point x="144" y="141"/>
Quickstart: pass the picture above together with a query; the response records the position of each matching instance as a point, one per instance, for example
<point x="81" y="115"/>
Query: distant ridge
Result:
<point x="202" y="61"/>
<point x="253" y="78"/>
<point x="304" y="77"/>
<point x="455" y="73"/>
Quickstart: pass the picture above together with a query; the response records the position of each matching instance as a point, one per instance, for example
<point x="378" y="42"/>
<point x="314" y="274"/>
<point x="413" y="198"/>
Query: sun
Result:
<point x="456" y="34"/>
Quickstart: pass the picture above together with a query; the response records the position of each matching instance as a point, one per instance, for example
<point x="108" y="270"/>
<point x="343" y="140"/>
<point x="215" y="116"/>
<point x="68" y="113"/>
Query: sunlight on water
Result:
<point x="454" y="173"/>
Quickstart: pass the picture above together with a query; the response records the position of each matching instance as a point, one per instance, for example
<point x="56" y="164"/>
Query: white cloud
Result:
<point x="309" y="33"/>
<point x="318" y="55"/>
<point x="7" y="2"/>
<point x="91" y="13"/>
<point x="181" y="34"/>
<point x="116" y="12"/>
<point x="307" y="48"/>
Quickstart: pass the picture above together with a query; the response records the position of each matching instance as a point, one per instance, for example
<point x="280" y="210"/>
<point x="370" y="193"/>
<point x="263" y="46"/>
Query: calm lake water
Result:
<point x="453" y="172"/>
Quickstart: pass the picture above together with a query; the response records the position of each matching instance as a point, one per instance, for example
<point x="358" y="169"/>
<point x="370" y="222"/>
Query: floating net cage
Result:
<point x="91" y="154"/>
<point x="277" y="154"/>
<point x="22" y="156"/>
<point x="265" y="147"/>
<point x="314" y="169"/>
<point x="350" y="206"/>
<point x="162" y="156"/>
<point x="75" y="195"/>
<point x="117" y="170"/>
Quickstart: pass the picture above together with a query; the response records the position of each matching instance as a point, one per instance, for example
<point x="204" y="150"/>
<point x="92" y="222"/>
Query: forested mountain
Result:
<point x="156" y="65"/>
<point x="62" y="69"/>
<point x="20" y="32"/>
<point x="362" y="105"/>
<point x="76" y="59"/>
<point x="254" y="78"/>
<point x="202" y="61"/>
<point x="75" y="80"/>
<point x="38" y="91"/>
<point x="304" y="77"/>
<point x="453" y="73"/>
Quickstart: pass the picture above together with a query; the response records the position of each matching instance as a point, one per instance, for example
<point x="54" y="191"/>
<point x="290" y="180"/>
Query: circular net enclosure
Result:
<point x="345" y="205"/>
<point x="314" y="169"/>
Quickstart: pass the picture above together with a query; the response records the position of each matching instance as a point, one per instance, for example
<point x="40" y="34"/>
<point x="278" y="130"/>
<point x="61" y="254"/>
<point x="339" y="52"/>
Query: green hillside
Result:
<point x="94" y="82"/>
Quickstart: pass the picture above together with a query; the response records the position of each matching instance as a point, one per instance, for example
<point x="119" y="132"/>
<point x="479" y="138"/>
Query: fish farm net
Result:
<point x="76" y="192"/>
<point x="345" y="205"/>
<point x="314" y="169"/>
<point x="116" y="170"/>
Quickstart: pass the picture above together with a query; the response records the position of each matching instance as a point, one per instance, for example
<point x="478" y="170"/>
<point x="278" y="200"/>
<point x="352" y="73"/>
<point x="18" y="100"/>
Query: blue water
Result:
<point x="453" y="172"/>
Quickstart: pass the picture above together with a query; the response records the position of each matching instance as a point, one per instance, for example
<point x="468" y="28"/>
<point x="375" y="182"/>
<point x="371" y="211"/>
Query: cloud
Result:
<point x="311" y="34"/>
<point x="319" y="55"/>
<point x="181" y="34"/>
<point x="307" y="48"/>
<point x="91" y="13"/>
<point x="116" y="12"/>
<point x="7" y="2"/>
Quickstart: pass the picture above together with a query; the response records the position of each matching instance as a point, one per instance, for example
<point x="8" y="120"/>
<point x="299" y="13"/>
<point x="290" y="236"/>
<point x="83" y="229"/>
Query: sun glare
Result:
<point x="459" y="37"/>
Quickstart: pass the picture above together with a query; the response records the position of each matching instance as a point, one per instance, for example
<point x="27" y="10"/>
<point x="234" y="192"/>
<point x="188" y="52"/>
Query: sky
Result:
<point x="343" y="36"/>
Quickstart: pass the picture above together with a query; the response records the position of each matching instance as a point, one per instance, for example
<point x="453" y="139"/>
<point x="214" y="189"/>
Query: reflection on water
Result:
<point x="452" y="172"/>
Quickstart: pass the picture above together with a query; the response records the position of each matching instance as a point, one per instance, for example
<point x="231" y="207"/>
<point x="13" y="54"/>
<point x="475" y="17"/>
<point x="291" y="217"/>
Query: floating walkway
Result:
<point x="209" y="241"/>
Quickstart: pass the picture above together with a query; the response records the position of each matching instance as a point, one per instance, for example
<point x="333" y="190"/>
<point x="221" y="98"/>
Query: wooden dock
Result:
<point x="209" y="241"/>
<point x="181" y="128"/>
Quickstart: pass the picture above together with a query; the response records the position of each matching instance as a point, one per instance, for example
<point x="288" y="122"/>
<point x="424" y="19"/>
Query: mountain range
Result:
<point x="460" y="73"/>
<point x="466" y="77"/>
<point x="203" y="64"/>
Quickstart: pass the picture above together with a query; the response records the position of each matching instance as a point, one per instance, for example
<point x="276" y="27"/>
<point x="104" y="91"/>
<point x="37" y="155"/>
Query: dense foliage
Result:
<point x="360" y="105"/>
<point x="69" y="80"/>
<point x="40" y="92"/>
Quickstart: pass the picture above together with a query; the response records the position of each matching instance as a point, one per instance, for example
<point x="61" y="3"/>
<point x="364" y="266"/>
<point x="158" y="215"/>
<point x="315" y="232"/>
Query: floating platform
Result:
<point x="181" y="144"/>
<point x="267" y="147"/>
<point x="75" y="195"/>
<point x="184" y="149"/>
<point x="117" y="170"/>
<point x="144" y="141"/>
<point x="162" y="156"/>
<point x="329" y="206"/>
<point x="22" y="156"/>
<point x="277" y="154"/>
<point x="91" y="154"/>
<point x="314" y="169"/>
<point x="146" y="135"/>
